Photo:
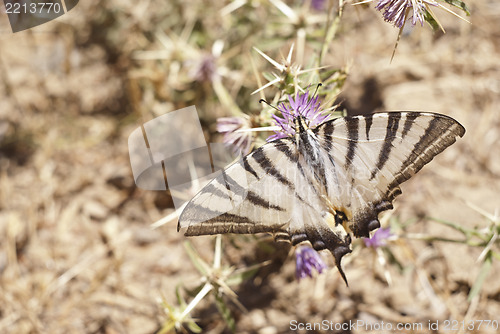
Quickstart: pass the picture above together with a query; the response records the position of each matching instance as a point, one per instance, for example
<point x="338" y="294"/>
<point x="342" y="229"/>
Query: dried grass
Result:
<point x="77" y="253"/>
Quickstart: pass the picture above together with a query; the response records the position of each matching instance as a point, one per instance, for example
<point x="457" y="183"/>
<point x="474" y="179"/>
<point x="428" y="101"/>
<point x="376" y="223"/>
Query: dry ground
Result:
<point x="77" y="252"/>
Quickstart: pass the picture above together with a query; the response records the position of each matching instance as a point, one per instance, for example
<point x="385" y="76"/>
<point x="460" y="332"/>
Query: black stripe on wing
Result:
<point x="249" y="168"/>
<point x="352" y="136"/>
<point x="390" y="135"/>
<point x="261" y="158"/>
<point x="410" y="119"/>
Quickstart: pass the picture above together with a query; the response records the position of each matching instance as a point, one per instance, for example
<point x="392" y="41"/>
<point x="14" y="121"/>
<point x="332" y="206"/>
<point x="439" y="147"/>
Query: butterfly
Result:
<point x="325" y="183"/>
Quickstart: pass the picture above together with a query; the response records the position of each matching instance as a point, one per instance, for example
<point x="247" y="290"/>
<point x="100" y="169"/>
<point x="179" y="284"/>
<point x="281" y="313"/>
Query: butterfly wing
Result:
<point x="250" y="196"/>
<point x="324" y="183"/>
<point x="372" y="155"/>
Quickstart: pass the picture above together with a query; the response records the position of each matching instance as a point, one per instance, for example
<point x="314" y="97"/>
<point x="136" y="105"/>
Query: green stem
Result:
<point x="433" y="238"/>
<point x="467" y="232"/>
<point x="331" y="31"/>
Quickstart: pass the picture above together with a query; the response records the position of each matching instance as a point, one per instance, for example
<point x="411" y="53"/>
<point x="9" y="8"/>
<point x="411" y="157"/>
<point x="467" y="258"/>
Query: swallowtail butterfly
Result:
<point x="324" y="184"/>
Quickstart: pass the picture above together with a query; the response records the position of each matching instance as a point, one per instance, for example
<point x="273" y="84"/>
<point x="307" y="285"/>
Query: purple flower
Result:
<point x="379" y="238"/>
<point x="318" y="4"/>
<point x="397" y="11"/>
<point x="204" y="69"/>
<point x="240" y="140"/>
<point x="307" y="259"/>
<point x="303" y="106"/>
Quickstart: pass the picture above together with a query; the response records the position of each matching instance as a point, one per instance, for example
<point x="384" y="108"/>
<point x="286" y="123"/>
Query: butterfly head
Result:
<point x="299" y="114"/>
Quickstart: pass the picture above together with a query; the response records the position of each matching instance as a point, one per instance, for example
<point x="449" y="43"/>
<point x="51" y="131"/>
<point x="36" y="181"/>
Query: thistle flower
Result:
<point x="240" y="140"/>
<point x="303" y="106"/>
<point x="379" y="238"/>
<point x="206" y="66"/>
<point x="204" y="69"/>
<point x="398" y="11"/>
<point x="318" y="4"/>
<point x="307" y="259"/>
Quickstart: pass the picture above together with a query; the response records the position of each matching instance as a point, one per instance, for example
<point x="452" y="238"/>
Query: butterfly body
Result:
<point x="322" y="184"/>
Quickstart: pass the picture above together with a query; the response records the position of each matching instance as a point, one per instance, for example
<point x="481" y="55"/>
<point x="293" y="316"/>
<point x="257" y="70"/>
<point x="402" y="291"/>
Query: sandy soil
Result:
<point x="78" y="254"/>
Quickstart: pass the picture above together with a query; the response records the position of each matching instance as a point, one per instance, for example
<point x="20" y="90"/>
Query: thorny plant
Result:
<point x="485" y="238"/>
<point x="215" y="280"/>
<point x="201" y="68"/>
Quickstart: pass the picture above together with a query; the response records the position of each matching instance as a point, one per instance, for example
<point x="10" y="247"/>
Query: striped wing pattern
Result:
<point x="323" y="185"/>
<point x="250" y="196"/>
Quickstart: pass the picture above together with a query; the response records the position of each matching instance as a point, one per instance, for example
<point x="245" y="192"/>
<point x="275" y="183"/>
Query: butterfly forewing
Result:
<point x="252" y="195"/>
<point x="324" y="183"/>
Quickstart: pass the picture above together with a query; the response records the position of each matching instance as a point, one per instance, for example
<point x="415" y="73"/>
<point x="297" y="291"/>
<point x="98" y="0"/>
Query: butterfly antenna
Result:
<point x="312" y="97"/>
<point x="269" y="104"/>
<point x="281" y="111"/>
<point x="316" y="90"/>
